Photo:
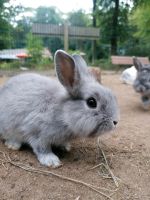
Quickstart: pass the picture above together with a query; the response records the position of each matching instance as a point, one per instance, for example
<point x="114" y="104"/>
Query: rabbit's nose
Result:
<point x="115" y="122"/>
<point x="141" y="90"/>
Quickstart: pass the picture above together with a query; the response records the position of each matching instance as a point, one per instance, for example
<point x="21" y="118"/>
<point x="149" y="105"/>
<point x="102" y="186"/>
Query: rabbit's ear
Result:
<point x="80" y="63"/>
<point x="67" y="71"/>
<point x="136" y="62"/>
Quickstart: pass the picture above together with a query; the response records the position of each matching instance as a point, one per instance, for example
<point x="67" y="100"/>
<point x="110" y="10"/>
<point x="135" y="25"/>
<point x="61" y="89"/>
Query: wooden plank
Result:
<point x="73" y="31"/>
<point x="47" y="29"/>
<point x="127" y="60"/>
<point x="83" y="31"/>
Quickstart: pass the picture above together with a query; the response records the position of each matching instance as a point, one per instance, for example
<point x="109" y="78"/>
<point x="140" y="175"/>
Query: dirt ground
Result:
<point x="127" y="151"/>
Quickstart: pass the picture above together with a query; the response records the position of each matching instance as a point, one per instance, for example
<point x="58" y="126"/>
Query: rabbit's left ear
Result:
<point x="137" y="63"/>
<point x="67" y="71"/>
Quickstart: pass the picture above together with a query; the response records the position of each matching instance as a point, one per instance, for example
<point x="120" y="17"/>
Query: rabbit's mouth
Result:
<point x="100" y="129"/>
<point x="95" y="130"/>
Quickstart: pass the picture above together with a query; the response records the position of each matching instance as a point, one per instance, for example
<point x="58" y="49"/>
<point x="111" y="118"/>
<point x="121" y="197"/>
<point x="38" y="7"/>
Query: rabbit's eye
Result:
<point x="145" y="98"/>
<point x="91" y="102"/>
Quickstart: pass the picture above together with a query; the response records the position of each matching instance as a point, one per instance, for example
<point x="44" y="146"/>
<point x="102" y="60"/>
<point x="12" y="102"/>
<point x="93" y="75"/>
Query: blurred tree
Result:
<point x="112" y="17"/>
<point x="8" y="14"/>
<point x="5" y="34"/>
<point x="138" y="42"/>
<point x="20" y="31"/>
<point x="5" y="38"/>
<point x="79" y="18"/>
<point x="48" y="15"/>
<point x="141" y="20"/>
<point x="94" y="25"/>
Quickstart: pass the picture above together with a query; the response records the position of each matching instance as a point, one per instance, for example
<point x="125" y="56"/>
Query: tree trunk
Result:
<point x="114" y="36"/>
<point x="94" y="25"/>
<point x="94" y="12"/>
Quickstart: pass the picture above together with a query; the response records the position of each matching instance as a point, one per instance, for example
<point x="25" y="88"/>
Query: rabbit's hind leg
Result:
<point x="11" y="144"/>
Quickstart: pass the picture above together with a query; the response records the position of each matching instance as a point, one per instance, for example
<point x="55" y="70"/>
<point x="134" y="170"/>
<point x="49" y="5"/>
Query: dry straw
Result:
<point x="6" y="159"/>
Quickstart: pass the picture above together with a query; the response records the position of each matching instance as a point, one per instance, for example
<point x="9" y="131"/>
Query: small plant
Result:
<point x="10" y="65"/>
<point x="45" y="63"/>
<point x="104" y="64"/>
<point x="35" y="48"/>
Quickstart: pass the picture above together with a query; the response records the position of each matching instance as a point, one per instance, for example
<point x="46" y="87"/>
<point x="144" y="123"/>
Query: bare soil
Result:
<point x="127" y="151"/>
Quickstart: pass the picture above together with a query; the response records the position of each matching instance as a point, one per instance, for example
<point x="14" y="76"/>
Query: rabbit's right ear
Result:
<point x="66" y="71"/>
<point x="136" y="62"/>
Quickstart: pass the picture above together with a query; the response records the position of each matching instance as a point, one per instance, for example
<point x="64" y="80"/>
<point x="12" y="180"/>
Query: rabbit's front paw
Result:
<point x="50" y="160"/>
<point x="13" y="144"/>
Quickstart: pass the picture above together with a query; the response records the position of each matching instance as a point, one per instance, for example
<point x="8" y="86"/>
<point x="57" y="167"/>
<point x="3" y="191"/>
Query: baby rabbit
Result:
<point x="142" y="82"/>
<point x="42" y="111"/>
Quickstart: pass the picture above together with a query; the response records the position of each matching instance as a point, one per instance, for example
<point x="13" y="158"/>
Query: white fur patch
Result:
<point x="68" y="147"/>
<point x="12" y="144"/>
<point x="50" y="160"/>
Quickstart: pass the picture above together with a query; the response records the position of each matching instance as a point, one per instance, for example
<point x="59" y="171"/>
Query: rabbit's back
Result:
<point x="24" y="97"/>
<point x="28" y="82"/>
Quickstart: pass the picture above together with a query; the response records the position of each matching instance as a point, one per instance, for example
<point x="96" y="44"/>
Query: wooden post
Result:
<point x="66" y="36"/>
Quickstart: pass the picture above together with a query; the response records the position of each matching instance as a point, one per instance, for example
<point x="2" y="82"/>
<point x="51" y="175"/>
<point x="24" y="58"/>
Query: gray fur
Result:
<point x="142" y="82"/>
<point x="42" y="112"/>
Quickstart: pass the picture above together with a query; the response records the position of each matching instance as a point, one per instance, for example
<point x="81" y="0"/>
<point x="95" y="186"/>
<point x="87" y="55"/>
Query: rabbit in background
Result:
<point x="142" y="82"/>
<point x="42" y="111"/>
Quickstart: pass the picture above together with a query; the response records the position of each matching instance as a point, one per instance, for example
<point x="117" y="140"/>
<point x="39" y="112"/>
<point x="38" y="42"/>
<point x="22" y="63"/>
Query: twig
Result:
<point x="77" y="198"/>
<point x="47" y="173"/>
<point x="107" y="165"/>
<point x="106" y="189"/>
<point x="2" y="161"/>
<point x="96" y="166"/>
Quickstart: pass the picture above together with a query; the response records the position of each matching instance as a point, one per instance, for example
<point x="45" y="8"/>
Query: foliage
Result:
<point x="104" y="64"/>
<point x="35" y="47"/>
<point x="53" y="43"/>
<point x="113" y="20"/>
<point x="7" y="17"/>
<point x="124" y="29"/>
<point x="48" y="15"/>
<point x="141" y="19"/>
<point x="3" y="8"/>
<point x="53" y="16"/>
<point x="10" y="65"/>
<point x="79" y="18"/>
<point x="137" y="47"/>
<point x="5" y="38"/>
<point x="20" y="32"/>
<point x="5" y="34"/>
<point x="45" y="63"/>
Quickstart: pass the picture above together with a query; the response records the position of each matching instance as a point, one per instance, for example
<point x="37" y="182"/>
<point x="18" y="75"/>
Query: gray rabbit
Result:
<point x="142" y="82"/>
<point x="42" y="111"/>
